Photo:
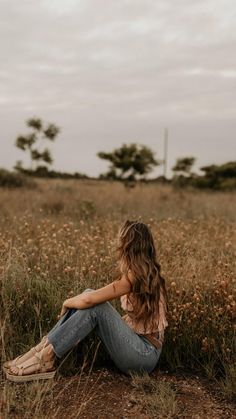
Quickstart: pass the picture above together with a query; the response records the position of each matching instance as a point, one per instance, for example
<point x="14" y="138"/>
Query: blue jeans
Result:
<point x="129" y="350"/>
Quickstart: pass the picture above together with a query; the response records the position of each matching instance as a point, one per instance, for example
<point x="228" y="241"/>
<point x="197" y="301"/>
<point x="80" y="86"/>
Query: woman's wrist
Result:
<point x="80" y="301"/>
<point x="66" y="303"/>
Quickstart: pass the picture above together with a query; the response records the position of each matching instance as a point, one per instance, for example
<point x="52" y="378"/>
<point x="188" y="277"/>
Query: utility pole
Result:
<point x="165" y="152"/>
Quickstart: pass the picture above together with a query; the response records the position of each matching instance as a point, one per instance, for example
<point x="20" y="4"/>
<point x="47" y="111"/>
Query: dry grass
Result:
<point x="157" y="397"/>
<point x="43" y="399"/>
<point x="59" y="239"/>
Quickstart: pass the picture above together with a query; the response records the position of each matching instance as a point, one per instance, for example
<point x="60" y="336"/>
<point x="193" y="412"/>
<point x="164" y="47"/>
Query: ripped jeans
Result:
<point x="129" y="350"/>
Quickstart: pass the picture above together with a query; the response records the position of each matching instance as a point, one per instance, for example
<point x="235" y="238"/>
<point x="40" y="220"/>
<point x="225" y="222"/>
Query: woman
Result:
<point x="133" y="341"/>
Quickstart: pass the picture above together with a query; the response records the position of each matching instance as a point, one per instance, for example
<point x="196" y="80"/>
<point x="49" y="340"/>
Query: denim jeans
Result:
<point x="129" y="350"/>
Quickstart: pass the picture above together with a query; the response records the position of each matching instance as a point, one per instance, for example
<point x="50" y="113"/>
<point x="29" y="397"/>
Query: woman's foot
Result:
<point x="22" y="358"/>
<point x="40" y="363"/>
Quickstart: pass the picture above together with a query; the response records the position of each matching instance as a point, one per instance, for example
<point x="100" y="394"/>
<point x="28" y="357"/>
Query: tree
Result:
<point x="226" y="170"/>
<point x="219" y="176"/>
<point x="129" y="162"/>
<point x="30" y="142"/>
<point x="184" y="165"/>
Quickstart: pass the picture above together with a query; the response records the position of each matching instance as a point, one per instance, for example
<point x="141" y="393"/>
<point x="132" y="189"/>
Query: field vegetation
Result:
<point x="59" y="237"/>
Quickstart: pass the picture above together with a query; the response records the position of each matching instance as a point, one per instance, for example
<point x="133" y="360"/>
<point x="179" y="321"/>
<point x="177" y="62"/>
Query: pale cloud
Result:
<point x="205" y="72"/>
<point x="113" y="72"/>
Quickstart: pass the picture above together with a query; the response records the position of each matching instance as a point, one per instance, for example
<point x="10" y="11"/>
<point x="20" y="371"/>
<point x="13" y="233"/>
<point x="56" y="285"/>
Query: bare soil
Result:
<point x="106" y="393"/>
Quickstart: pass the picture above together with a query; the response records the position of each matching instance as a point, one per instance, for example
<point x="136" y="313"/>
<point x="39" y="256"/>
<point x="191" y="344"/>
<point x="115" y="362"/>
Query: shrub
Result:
<point x="14" y="180"/>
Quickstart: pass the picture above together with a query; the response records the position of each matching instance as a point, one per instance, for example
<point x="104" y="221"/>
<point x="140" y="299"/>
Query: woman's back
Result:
<point x="155" y="326"/>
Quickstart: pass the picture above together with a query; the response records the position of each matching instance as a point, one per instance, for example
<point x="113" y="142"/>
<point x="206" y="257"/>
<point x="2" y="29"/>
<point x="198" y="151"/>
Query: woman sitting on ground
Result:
<point x="134" y="341"/>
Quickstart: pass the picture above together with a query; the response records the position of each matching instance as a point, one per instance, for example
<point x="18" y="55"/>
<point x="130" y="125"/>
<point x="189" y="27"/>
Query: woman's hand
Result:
<point x="63" y="310"/>
<point x="69" y="303"/>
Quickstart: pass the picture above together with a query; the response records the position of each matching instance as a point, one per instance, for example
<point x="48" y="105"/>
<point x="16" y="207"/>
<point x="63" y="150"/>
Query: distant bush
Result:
<point x="225" y="171"/>
<point x="222" y="178"/>
<point x="14" y="180"/>
<point x="43" y="172"/>
<point x="228" y="184"/>
<point x="182" y="181"/>
<point x="217" y="184"/>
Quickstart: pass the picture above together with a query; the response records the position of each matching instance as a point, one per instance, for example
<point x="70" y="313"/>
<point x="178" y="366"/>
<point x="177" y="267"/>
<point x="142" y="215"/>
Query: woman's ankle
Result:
<point x="44" y="342"/>
<point x="48" y="353"/>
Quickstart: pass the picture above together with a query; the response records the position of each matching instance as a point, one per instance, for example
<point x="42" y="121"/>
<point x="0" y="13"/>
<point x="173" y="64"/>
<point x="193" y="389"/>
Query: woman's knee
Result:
<point x="105" y="304"/>
<point x="104" y="311"/>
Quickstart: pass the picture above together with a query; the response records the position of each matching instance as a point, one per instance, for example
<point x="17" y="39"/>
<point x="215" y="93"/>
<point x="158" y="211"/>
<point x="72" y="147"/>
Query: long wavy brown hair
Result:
<point x="137" y="254"/>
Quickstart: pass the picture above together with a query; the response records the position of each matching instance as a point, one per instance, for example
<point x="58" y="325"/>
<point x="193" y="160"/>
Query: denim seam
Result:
<point x="145" y="353"/>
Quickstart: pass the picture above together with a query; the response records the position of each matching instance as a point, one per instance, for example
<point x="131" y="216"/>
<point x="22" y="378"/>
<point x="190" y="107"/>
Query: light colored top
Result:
<point x="160" y="323"/>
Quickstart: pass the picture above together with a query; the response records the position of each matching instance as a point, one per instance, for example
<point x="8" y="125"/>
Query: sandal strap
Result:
<point x="20" y="370"/>
<point x="41" y="361"/>
<point x="37" y="355"/>
<point x="41" y="367"/>
<point x="15" y="360"/>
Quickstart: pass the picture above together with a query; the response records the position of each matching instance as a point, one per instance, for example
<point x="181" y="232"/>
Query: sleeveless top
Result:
<point x="155" y="333"/>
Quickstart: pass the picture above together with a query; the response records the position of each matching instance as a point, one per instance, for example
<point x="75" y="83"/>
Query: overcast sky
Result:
<point x="120" y="71"/>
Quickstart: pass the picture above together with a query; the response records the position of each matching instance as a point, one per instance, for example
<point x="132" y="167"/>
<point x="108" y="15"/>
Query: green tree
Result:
<point x="219" y="176"/>
<point x="184" y="165"/>
<point x="130" y="162"/>
<point x="226" y="170"/>
<point x="32" y="142"/>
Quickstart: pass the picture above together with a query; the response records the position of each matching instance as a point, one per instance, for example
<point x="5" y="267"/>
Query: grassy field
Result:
<point x="60" y="238"/>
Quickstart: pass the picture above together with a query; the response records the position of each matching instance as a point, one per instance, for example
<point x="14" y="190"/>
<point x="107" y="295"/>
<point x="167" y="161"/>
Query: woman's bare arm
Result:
<point x="88" y="299"/>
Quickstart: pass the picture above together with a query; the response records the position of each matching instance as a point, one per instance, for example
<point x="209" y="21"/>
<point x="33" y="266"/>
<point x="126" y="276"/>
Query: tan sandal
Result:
<point x="44" y="370"/>
<point x="13" y="363"/>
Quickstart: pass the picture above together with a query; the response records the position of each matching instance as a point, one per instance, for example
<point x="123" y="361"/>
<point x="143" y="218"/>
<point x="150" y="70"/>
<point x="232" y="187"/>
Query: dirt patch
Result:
<point x="104" y="393"/>
<point x="198" y="397"/>
<point x="109" y="394"/>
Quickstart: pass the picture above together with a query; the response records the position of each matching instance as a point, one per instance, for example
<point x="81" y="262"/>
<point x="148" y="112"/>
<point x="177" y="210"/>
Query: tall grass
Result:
<point x="157" y="397"/>
<point x="60" y="238"/>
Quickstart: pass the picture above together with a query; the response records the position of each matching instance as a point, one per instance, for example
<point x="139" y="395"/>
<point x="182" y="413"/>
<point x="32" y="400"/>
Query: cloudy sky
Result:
<point x="120" y="71"/>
